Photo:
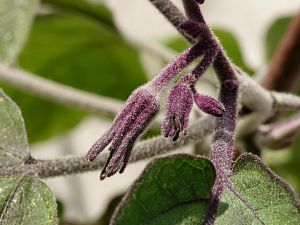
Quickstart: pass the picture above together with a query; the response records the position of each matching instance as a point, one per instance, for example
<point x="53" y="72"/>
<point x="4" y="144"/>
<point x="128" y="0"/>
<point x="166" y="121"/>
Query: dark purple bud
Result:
<point x="179" y="106"/>
<point x="194" y="29"/>
<point x="200" y="1"/>
<point x="208" y="104"/>
<point x="230" y="84"/>
<point x="141" y="108"/>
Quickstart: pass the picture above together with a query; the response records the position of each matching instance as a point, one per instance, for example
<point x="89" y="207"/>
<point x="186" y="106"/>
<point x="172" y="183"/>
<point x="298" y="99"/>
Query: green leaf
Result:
<point x="94" y="11"/>
<point x="228" y="41"/>
<point x="275" y="34"/>
<point x="13" y="140"/>
<point x="178" y="43"/>
<point x="77" y="50"/>
<point x="172" y="190"/>
<point x="272" y="198"/>
<point x="26" y="200"/>
<point x="15" y="22"/>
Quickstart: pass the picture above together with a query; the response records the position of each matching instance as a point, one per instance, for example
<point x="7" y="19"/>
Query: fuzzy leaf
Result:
<point x="26" y="200"/>
<point x="171" y="190"/>
<point x="13" y="140"/>
<point x="273" y="199"/>
<point x="15" y="21"/>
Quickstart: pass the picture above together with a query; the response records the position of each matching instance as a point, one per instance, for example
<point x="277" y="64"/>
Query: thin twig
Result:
<point x="284" y="71"/>
<point x="285" y="101"/>
<point x="143" y="150"/>
<point x="59" y="93"/>
<point x="224" y="131"/>
<point x="280" y="134"/>
<point x="159" y="145"/>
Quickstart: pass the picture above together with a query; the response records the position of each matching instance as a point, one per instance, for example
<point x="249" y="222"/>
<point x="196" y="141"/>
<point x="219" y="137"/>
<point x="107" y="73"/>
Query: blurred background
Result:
<point x="110" y="47"/>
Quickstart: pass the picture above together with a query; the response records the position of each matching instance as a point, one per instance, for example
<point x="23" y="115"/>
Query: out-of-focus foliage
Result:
<point x="15" y="21"/>
<point x="288" y="168"/>
<point x="275" y="34"/>
<point x="77" y="44"/>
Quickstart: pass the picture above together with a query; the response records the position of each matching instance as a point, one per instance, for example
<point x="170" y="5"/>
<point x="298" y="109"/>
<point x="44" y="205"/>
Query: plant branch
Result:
<point x="224" y="131"/>
<point x="285" y="101"/>
<point x="284" y="70"/>
<point x="56" y="92"/>
<point x="251" y="92"/>
<point x="280" y="134"/>
<point x="172" y="13"/>
<point x="142" y="150"/>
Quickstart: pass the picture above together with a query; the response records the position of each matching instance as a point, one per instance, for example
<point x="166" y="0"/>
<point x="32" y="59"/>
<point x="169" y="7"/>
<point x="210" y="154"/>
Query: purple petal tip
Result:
<point x="179" y="106"/>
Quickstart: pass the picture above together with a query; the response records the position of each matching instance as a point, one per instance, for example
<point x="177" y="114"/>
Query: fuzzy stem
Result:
<point x="189" y="8"/>
<point x="279" y="134"/>
<point x="285" y="101"/>
<point x="142" y="150"/>
<point x="58" y="93"/>
<point x="224" y="135"/>
<point x="172" y="13"/>
<point x="181" y="62"/>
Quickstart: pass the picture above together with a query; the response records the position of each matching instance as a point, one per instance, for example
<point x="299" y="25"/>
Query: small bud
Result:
<point x="200" y="1"/>
<point x="230" y="84"/>
<point x="208" y="104"/>
<point x="179" y="107"/>
<point x="194" y="29"/>
<point x="142" y="106"/>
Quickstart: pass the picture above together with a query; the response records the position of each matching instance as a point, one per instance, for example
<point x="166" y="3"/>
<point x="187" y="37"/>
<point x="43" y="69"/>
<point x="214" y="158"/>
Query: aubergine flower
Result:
<point x="180" y="103"/>
<point x="179" y="106"/>
<point x="142" y="106"/>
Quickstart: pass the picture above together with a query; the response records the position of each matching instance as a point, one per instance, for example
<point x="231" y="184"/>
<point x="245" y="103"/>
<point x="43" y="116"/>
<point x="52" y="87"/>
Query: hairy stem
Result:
<point x="58" y="93"/>
<point x="142" y="150"/>
<point x="279" y="134"/>
<point x="224" y="136"/>
<point x="63" y="94"/>
<point x="181" y="62"/>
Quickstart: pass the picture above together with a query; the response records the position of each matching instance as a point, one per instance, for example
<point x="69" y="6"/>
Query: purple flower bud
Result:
<point x="179" y="106"/>
<point x="200" y="1"/>
<point x="142" y="106"/>
<point x="208" y="104"/>
<point x="230" y="84"/>
<point x="194" y="29"/>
